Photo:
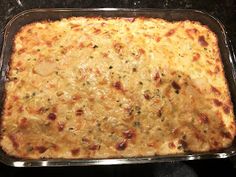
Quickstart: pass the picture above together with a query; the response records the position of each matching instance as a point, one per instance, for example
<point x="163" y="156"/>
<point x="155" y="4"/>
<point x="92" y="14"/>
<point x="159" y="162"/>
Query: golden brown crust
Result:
<point x="115" y="87"/>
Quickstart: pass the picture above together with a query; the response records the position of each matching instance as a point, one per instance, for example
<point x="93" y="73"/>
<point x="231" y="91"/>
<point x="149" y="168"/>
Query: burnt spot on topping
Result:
<point x="226" y="109"/>
<point x="203" y="118"/>
<point x="79" y="112"/>
<point x="41" y="149"/>
<point x="202" y="41"/>
<point x="215" y="90"/>
<point x="94" y="147"/>
<point x="176" y="86"/>
<point x="121" y="145"/>
<point x="129" y="134"/>
<point x="217" y="102"/>
<point x="170" y="33"/>
<point x="134" y="69"/>
<point x="75" y="151"/>
<point x="52" y="116"/>
<point x="225" y="134"/>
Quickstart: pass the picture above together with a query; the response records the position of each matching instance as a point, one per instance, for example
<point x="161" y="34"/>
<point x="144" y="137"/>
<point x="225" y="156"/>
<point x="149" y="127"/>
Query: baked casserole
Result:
<point x="92" y="87"/>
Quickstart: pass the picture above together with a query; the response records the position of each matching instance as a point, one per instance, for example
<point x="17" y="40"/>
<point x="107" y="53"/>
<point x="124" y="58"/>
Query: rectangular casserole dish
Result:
<point x="30" y="16"/>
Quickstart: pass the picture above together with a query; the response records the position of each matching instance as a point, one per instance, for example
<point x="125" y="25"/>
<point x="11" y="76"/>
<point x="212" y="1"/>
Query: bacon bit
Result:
<point x="158" y="39"/>
<point x="20" y="109"/>
<point x="147" y="96"/>
<point x="141" y="51"/>
<point x="183" y="144"/>
<point x="15" y="98"/>
<point x="49" y="43"/>
<point x="81" y="45"/>
<point x="225" y="134"/>
<point x="103" y="24"/>
<point x="209" y="62"/>
<point x="74" y="26"/>
<point x="85" y="140"/>
<point x="129" y="134"/>
<point x="79" y="112"/>
<point x="94" y="147"/>
<point x="118" y="47"/>
<point x="118" y="85"/>
<point x="191" y="32"/>
<point x="175" y="85"/>
<point x="54" y="109"/>
<point x="122" y="145"/>
<point x="55" y="38"/>
<point x="202" y="41"/>
<point x="157" y="78"/>
<point x="9" y="113"/>
<point x="60" y="126"/>
<point x="52" y="116"/>
<point x="170" y="33"/>
<point x="76" y="97"/>
<point x="105" y="55"/>
<point x="215" y="90"/>
<point x="171" y="145"/>
<point x="226" y="109"/>
<point x="215" y="143"/>
<point x="159" y="113"/>
<point x="91" y="99"/>
<point x="23" y="123"/>
<point x="9" y="107"/>
<point x="41" y="110"/>
<point x="217" y="102"/>
<point x="14" y="141"/>
<point x="203" y="118"/>
<point x="96" y="31"/>
<point x="130" y="19"/>
<point x="21" y="51"/>
<point x="41" y="149"/>
<point x="196" y="57"/>
<point x="217" y="69"/>
<point x="75" y="151"/>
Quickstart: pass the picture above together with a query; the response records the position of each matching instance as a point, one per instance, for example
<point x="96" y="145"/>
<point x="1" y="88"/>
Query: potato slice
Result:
<point x="45" y="68"/>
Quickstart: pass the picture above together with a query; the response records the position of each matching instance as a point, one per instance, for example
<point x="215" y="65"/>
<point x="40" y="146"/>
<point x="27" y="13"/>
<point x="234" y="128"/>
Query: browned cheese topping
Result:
<point x="115" y="87"/>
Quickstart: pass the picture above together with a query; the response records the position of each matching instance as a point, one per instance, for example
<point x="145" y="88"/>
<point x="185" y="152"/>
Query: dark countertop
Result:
<point x="225" y="10"/>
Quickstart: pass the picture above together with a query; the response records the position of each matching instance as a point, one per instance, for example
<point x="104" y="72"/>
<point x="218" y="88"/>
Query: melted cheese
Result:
<point x="116" y="87"/>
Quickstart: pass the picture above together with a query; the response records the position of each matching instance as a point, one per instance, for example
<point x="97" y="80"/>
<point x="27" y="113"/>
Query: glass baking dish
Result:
<point x="226" y="50"/>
